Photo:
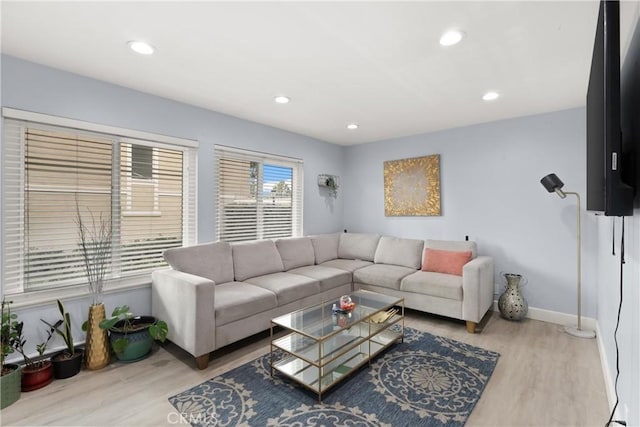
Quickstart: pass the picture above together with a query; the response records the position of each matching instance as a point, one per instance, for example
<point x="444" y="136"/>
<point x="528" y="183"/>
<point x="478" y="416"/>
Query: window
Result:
<point x="143" y="188"/>
<point x="141" y="162"/>
<point x="259" y="196"/>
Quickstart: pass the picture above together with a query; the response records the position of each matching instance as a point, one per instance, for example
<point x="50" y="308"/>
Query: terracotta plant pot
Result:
<point x="9" y="385"/>
<point x="66" y="365"/>
<point x="33" y="379"/>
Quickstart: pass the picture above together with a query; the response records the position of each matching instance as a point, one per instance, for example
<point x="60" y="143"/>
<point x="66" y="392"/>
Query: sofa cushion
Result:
<point x="346" y="264"/>
<point x="447" y="262"/>
<point x="325" y="247"/>
<point x="329" y="277"/>
<point x="398" y="251"/>
<point x="238" y="300"/>
<point x="287" y="287"/>
<point x="383" y="275"/>
<point x="296" y="252"/>
<point x="358" y="246"/>
<point x="255" y="259"/>
<point x="453" y="245"/>
<point x="212" y="261"/>
<point x="433" y="284"/>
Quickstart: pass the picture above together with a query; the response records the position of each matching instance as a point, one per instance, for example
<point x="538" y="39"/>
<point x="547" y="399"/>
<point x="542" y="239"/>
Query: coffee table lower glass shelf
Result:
<point x="323" y="347"/>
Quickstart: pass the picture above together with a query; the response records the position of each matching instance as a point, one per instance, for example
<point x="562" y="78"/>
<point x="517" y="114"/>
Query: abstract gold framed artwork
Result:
<point x="412" y="186"/>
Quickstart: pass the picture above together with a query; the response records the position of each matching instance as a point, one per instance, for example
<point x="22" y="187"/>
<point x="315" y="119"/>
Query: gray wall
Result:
<point x="490" y="191"/>
<point x="33" y="87"/>
<point x="609" y="295"/>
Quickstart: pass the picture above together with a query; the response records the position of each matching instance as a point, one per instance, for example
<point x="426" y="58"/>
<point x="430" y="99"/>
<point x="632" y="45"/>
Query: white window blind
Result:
<point x="144" y="189"/>
<point x="259" y="196"/>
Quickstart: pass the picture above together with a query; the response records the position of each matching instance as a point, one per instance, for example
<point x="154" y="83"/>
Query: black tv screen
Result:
<point x="606" y="191"/>
<point x="630" y="113"/>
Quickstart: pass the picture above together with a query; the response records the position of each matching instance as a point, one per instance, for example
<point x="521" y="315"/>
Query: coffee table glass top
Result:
<point x="319" y="321"/>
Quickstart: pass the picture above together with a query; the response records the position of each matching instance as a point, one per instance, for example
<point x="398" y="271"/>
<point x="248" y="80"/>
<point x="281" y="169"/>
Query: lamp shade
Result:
<point x="552" y="183"/>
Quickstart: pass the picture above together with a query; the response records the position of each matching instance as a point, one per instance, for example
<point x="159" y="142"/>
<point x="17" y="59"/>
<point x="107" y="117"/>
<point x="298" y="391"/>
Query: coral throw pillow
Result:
<point x="448" y="262"/>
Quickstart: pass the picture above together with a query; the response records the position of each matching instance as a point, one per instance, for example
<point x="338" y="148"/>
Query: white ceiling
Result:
<point x="378" y="64"/>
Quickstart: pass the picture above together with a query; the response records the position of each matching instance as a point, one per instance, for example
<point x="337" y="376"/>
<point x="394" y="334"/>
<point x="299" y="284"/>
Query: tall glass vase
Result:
<point x="96" y="353"/>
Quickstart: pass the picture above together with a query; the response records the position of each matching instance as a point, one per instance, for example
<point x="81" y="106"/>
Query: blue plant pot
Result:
<point x="140" y="341"/>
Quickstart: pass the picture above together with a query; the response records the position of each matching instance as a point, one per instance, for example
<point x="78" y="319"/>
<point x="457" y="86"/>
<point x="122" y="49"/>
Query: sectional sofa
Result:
<point x="218" y="293"/>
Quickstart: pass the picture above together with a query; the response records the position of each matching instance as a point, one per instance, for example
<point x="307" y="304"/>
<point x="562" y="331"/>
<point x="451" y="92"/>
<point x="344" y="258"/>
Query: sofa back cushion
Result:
<point x="358" y="246"/>
<point x="296" y="252"/>
<point x="325" y="247"/>
<point x="453" y="246"/>
<point x="399" y="251"/>
<point x="211" y="260"/>
<point x="251" y="259"/>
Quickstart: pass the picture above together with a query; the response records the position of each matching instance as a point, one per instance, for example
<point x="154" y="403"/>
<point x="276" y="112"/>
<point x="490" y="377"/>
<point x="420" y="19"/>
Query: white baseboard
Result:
<point x="555" y="317"/>
<point x="608" y="379"/>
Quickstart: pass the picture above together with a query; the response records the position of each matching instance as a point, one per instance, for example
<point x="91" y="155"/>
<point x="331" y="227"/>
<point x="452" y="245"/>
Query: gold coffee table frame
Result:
<point x="322" y="347"/>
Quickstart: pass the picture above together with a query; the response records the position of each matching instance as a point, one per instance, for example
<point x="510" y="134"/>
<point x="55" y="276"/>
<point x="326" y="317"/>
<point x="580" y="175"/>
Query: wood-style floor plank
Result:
<point x="544" y="377"/>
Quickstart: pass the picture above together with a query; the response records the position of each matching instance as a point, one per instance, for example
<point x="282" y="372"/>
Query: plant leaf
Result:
<point x="120" y="345"/>
<point x="159" y="330"/>
<point x="109" y="323"/>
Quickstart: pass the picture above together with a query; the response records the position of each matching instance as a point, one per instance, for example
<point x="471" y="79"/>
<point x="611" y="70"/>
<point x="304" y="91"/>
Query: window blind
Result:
<point x="259" y="196"/>
<point x="145" y="191"/>
<point x="61" y="169"/>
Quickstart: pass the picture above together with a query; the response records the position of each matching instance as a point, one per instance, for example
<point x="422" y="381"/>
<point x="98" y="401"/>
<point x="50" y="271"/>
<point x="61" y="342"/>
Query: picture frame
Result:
<point x="412" y="186"/>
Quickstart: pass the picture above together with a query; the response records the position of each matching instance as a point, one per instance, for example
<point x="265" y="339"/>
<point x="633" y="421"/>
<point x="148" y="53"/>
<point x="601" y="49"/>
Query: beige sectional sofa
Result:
<point x="218" y="293"/>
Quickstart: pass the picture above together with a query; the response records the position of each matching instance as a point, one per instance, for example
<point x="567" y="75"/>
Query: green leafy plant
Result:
<point x="63" y="328"/>
<point x="158" y="329"/>
<point x="18" y="342"/>
<point x="332" y="183"/>
<point x="8" y="333"/>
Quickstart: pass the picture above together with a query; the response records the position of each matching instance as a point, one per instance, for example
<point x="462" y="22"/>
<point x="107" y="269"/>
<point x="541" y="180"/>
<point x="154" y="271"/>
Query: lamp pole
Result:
<point x="578" y="331"/>
<point x="554" y="184"/>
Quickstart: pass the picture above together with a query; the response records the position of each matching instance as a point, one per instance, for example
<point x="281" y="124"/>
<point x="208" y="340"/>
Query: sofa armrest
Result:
<point x="186" y="303"/>
<point x="477" y="288"/>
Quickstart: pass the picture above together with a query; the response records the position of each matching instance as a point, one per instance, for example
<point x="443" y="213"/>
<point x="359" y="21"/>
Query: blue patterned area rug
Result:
<point x="425" y="381"/>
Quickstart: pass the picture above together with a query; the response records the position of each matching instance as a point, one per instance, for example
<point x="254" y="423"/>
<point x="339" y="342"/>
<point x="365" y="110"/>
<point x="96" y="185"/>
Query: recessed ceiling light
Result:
<point x="282" y="99"/>
<point x="451" y="37"/>
<point x="490" y="96"/>
<point x="141" y="47"/>
<point x="352" y="126"/>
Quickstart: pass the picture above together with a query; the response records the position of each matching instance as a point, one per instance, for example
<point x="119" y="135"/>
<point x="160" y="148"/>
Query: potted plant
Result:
<point x="68" y="362"/>
<point x="10" y="378"/>
<point x="332" y="183"/>
<point x="132" y="336"/>
<point x="95" y="245"/>
<point x="35" y="373"/>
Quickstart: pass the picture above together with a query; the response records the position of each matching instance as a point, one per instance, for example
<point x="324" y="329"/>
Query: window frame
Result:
<point x="25" y="297"/>
<point x="130" y="181"/>
<point x="297" y="184"/>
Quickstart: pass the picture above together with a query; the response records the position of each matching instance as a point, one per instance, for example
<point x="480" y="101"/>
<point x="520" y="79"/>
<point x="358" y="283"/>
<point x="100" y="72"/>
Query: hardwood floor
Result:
<point x="544" y="377"/>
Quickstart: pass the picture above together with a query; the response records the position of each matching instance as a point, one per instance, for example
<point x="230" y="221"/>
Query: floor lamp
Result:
<point x="553" y="184"/>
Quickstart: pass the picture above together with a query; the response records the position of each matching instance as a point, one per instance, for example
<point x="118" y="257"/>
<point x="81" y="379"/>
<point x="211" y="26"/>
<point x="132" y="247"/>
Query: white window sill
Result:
<point x="49" y="296"/>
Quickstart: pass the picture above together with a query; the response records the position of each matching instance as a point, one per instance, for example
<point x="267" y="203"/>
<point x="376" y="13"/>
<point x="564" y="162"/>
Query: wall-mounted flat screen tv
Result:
<point x="607" y="191"/>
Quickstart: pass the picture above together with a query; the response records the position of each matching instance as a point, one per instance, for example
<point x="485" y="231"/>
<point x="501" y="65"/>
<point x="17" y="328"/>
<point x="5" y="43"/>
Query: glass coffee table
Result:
<point x="322" y="347"/>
